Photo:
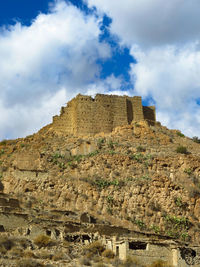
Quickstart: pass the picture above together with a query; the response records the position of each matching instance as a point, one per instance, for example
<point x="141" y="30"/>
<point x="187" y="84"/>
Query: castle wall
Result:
<point x="149" y="113"/>
<point x="87" y="116"/>
<point x="137" y="108"/>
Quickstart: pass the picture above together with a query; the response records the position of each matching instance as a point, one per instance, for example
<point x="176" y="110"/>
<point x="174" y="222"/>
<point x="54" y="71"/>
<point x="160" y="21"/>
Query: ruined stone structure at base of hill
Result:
<point x="85" y="115"/>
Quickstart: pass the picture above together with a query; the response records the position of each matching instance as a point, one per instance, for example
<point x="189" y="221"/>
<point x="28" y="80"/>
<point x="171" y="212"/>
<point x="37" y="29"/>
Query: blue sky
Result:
<point x="52" y="50"/>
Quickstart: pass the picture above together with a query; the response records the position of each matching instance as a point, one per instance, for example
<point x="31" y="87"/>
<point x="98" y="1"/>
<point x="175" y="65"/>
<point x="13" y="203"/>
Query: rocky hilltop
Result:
<point x="129" y="197"/>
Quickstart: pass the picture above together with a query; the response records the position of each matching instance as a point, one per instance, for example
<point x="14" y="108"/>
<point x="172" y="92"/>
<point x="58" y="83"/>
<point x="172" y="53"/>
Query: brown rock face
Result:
<point x="29" y="161"/>
<point x="197" y="209"/>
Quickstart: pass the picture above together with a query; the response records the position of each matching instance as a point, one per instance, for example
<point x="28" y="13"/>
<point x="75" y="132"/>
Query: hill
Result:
<point x="128" y="196"/>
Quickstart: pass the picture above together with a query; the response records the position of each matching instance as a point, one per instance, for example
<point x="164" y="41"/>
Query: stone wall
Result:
<point x="85" y="115"/>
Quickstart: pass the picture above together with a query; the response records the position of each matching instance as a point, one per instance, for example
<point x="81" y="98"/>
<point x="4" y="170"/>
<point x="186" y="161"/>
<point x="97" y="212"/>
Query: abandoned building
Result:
<point x="83" y="229"/>
<point x="85" y="115"/>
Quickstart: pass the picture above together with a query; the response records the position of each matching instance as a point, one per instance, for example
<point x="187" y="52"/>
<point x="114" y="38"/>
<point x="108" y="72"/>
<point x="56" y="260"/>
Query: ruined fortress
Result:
<point x="85" y="115"/>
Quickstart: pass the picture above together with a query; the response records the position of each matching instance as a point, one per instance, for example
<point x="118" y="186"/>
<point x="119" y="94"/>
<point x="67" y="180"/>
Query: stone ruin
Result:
<point x="85" y="115"/>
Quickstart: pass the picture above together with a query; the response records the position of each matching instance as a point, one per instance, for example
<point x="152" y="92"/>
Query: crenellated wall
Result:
<point x="85" y="115"/>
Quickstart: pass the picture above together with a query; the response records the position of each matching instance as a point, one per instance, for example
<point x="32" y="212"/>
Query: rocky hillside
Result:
<point x="139" y="177"/>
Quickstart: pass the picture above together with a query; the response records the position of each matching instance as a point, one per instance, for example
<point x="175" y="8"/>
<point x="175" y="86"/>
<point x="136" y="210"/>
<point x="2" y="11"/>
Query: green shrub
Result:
<point x="111" y="144"/>
<point x="141" y="149"/>
<point x="2" y="152"/>
<point x="137" y="157"/>
<point x="22" y="145"/>
<point x="181" y="149"/>
<point x="180" y="134"/>
<point x="112" y="152"/>
<point x="102" y="183"/>
<point x="94" y="153"/>
<point x="178" y="201"/>
<point x="100" y="142"/>
<point x="140" y="224"/>
<point x="196" y="139"/>
<point x="188" y="171"/>
<point x="155" y="228"/>
<point x="3" y="142"/>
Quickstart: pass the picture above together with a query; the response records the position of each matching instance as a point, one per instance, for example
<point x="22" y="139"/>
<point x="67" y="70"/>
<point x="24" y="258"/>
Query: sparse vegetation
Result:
<point x="176" y="226"/>
<point x="141" y="149"/>
<point x="188" y="171"/>
<point x="95" y="248"/>
<point x="100" y="142"/>
<point x="180" y="134"/>
<point x="178" y="202"/>
<point x="29" y="263"/>
<point x="160" y="263"/>
<point x="155" y="228"/>
<point x="181" y="149"/>
<point x="140" y="224"/>
<point x="107" y="253"/>
<point x="94" y="153"/>
<point x="196" y="139"/>
<point x="42" y="241"/>
<point x="131" y="190"/>
<point x="131" y="261"/>
<point x="102" y="183"/>
<point x="3" y="142"/>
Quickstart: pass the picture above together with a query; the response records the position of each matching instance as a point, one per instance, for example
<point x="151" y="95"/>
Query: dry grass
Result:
<point x="130" y="262"/>
<point x="85" y="261"/>
<point x="59" y="255"/>
<point x="28" y="254"/>
<point x="108" y="253"/>
<point x="43" y="241"/>
<point x="95" y="248"/>
<point x="44" y="255"/>
<point x="28" y="263"/>
<point x="160" y="263"/>
<point x="17" y="252"/>
<point x="6" y="243"/>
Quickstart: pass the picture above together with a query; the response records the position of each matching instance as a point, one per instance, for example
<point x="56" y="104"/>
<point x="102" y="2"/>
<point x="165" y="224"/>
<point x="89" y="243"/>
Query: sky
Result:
<point x="52" y="50"/>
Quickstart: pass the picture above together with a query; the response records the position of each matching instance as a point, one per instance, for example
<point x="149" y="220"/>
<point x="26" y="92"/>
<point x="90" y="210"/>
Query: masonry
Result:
<point x="85" y="115"/>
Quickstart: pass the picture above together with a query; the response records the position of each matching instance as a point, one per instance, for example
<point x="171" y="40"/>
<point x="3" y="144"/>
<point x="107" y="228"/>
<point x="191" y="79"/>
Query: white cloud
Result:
<point x="164" y="38"/>
<point x="171" y="77"/>
<point x="58" y="50"/>
<point x="110" y="85"/>
<point x="152" y="22"/>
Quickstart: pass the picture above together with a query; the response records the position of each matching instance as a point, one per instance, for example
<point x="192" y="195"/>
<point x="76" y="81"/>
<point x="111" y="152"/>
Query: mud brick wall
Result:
<point x="85" y="115"/>
<point x="149" y="113"/>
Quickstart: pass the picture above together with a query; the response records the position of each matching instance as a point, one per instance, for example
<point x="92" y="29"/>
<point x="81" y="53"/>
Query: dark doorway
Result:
<point x="117" y="251"/>
<point x="129" y="107"/>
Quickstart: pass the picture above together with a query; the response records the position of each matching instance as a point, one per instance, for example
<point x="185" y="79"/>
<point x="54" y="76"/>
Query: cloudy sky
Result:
<point x="52" y="50"/>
